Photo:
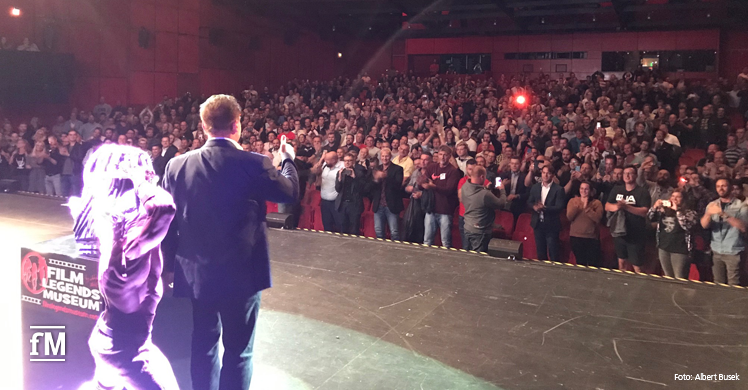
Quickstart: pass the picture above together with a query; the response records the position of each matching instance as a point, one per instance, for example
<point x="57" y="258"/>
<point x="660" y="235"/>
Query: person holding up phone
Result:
<point x="350" y="185"/>
<point x="674" y="239"/>
<point x="480" y="205"/>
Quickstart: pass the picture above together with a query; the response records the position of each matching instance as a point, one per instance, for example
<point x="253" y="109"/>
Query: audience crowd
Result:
<point x="653" y="164"/>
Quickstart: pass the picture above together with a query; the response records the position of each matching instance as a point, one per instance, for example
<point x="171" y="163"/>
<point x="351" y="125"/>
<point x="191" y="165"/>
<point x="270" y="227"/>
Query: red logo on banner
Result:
<point x="34" y="273"/>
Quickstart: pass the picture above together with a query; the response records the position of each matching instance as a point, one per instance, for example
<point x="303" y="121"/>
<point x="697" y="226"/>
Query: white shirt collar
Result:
<point x="546" y="186"/>
<point x="236" y="144"/>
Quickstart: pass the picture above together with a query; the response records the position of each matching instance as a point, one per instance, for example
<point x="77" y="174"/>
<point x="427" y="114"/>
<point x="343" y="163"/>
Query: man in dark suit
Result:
<point x="168" y="150"/>
<point x="547" y="202"/>
<point x="350" y="185"/>
<point x="159" y="161"/>
<point x="387" y="196"/>
<point x="517" y="192"/>
<point x="217" y="244"/>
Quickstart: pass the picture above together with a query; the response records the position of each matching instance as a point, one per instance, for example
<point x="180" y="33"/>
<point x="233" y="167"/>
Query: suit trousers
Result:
<point x="351" y="216"/>
<point x="547" y="243"/>
<point x="232" y="319"/>
<point x="332" y="219"/>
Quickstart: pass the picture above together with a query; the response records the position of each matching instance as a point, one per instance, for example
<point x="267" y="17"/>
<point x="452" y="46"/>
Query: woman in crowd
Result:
<point x="674" y="225"/>
<point x="585" y="212"/>
<point x="20" y="164"/>
<point x="36" y="174"/>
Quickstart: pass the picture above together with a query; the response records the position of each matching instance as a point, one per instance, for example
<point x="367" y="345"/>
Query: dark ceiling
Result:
<point x="423" y="18"/>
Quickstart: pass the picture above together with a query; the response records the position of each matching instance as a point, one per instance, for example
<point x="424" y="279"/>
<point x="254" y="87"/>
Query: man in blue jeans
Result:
<point x="442" y="178"/>
<point x="387" y="195"/>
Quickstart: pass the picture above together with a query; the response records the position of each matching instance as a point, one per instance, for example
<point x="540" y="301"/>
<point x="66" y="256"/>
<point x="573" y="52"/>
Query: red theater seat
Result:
<point x="506" y="220"/>
<point x="271" y="207"/>
<point x="367" y="224"/>
<point x="317" y="218"/>
<point x="608" y="248"/>
<point x="523" y="224"/>
<point x="306" y="216"/>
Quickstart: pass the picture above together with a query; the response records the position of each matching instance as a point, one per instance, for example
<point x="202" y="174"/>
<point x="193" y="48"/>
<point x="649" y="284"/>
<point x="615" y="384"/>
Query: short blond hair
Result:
<point x="219" y="113"/>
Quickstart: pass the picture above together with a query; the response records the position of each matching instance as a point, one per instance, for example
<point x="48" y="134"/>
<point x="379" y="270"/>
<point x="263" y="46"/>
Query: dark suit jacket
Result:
<point x="217" y="243"/>
<point x="520" y="204"/>
<point x="159" y="166"/>
<point x="170" y="152"/>
<point x="393" y="190"/>
<point x="554" y="205"/>
<point x="356" y="186"/>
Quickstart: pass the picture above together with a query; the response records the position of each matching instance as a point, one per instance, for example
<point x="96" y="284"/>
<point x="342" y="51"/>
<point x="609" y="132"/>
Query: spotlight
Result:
<point x="708" y="15"/>
<point x="520" y="100"/>
<point x="649" y="16"/>
<point x="594" y="18"/>
<point x="494" y="23"/>
<point x="542" y="21"/>
<point x="340" y="55"/>
<point x="333" y="28"/>
<point x="15" y="12"/>
<point x="369" y="28"/>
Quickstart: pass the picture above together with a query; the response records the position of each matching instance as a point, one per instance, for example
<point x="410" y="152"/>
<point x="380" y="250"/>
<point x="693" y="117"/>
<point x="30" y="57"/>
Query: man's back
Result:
<point x="218" y="236"/>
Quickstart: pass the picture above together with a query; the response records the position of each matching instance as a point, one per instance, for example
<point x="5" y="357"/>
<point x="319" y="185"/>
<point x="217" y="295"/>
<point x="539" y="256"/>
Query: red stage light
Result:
<point x="15" y="12"/>
<point x="520" y="100"/>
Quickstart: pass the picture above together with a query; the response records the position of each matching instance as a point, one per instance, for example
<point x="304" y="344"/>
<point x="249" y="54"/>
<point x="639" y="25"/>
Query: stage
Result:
<point x="356" y="313"/>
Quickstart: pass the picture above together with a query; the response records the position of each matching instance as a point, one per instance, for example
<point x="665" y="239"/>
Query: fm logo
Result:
<point x="52" y="340"/>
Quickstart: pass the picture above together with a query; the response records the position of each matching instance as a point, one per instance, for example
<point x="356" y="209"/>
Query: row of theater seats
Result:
<point x="504" y="228"/>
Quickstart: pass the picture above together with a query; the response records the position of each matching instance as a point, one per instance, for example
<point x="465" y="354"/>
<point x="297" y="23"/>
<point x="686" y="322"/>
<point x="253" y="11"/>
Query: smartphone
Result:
<point x="498" y="181"/>
<point x="683" y="180"/>
<point x="666" y="203"/>
<point x="599" y="125"/>
<point x="578" y="168"/>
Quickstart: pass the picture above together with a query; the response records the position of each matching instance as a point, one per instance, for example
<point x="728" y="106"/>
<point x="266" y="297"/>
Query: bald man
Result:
<point x="332" y="219"/>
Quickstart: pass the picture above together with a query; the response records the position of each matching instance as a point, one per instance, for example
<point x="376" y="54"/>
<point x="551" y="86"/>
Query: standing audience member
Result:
<point x="726" y="218"/>
<point x="674" y="225"/>
<point x="547" y="201"/>
<point x="387" y="195"/>
<point x="633" y="202"/>
<point x="331" y="219"/>
<point x="350" y="185"/>
<point x="441" y="178"/>
<point x="52" y="161"/>
<point x="480" y="209"/>
<point x="37" y="175"/>
<point x="585" y="213"/>
<point x="517" y="192"/>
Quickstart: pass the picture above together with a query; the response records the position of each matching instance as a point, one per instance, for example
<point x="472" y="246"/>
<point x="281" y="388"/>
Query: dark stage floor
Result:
<point x="353" y="313"/>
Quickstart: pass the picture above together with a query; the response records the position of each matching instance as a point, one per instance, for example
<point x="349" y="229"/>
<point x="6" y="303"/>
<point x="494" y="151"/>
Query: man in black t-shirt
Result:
<point x="52" y="163"/>
<point x="634" y="202"/>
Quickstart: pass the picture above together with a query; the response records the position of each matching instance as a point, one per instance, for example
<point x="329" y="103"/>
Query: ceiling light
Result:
<point x="333" y="28"/>
<point x="542" y="21"/>
<point x="594" y="19"/>
<point x="340" y="54"/>
<point x="649" y="16"/>
<point x="15" y="12"/>
<point x="708" y="15"/>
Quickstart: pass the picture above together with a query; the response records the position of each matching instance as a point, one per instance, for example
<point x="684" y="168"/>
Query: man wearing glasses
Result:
<point x="350" y="186"/>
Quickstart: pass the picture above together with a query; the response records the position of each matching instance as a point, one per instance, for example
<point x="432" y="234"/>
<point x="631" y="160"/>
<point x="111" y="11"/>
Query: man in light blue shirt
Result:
<point x="727" y="218"/>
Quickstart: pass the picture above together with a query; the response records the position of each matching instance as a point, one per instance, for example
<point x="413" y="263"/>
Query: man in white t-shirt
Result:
<point x="332" y="219"/>
<point x="465" y="138"/>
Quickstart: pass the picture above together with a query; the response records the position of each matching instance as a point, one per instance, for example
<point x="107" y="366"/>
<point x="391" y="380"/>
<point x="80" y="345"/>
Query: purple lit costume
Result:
<point x="125" y="220"/>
